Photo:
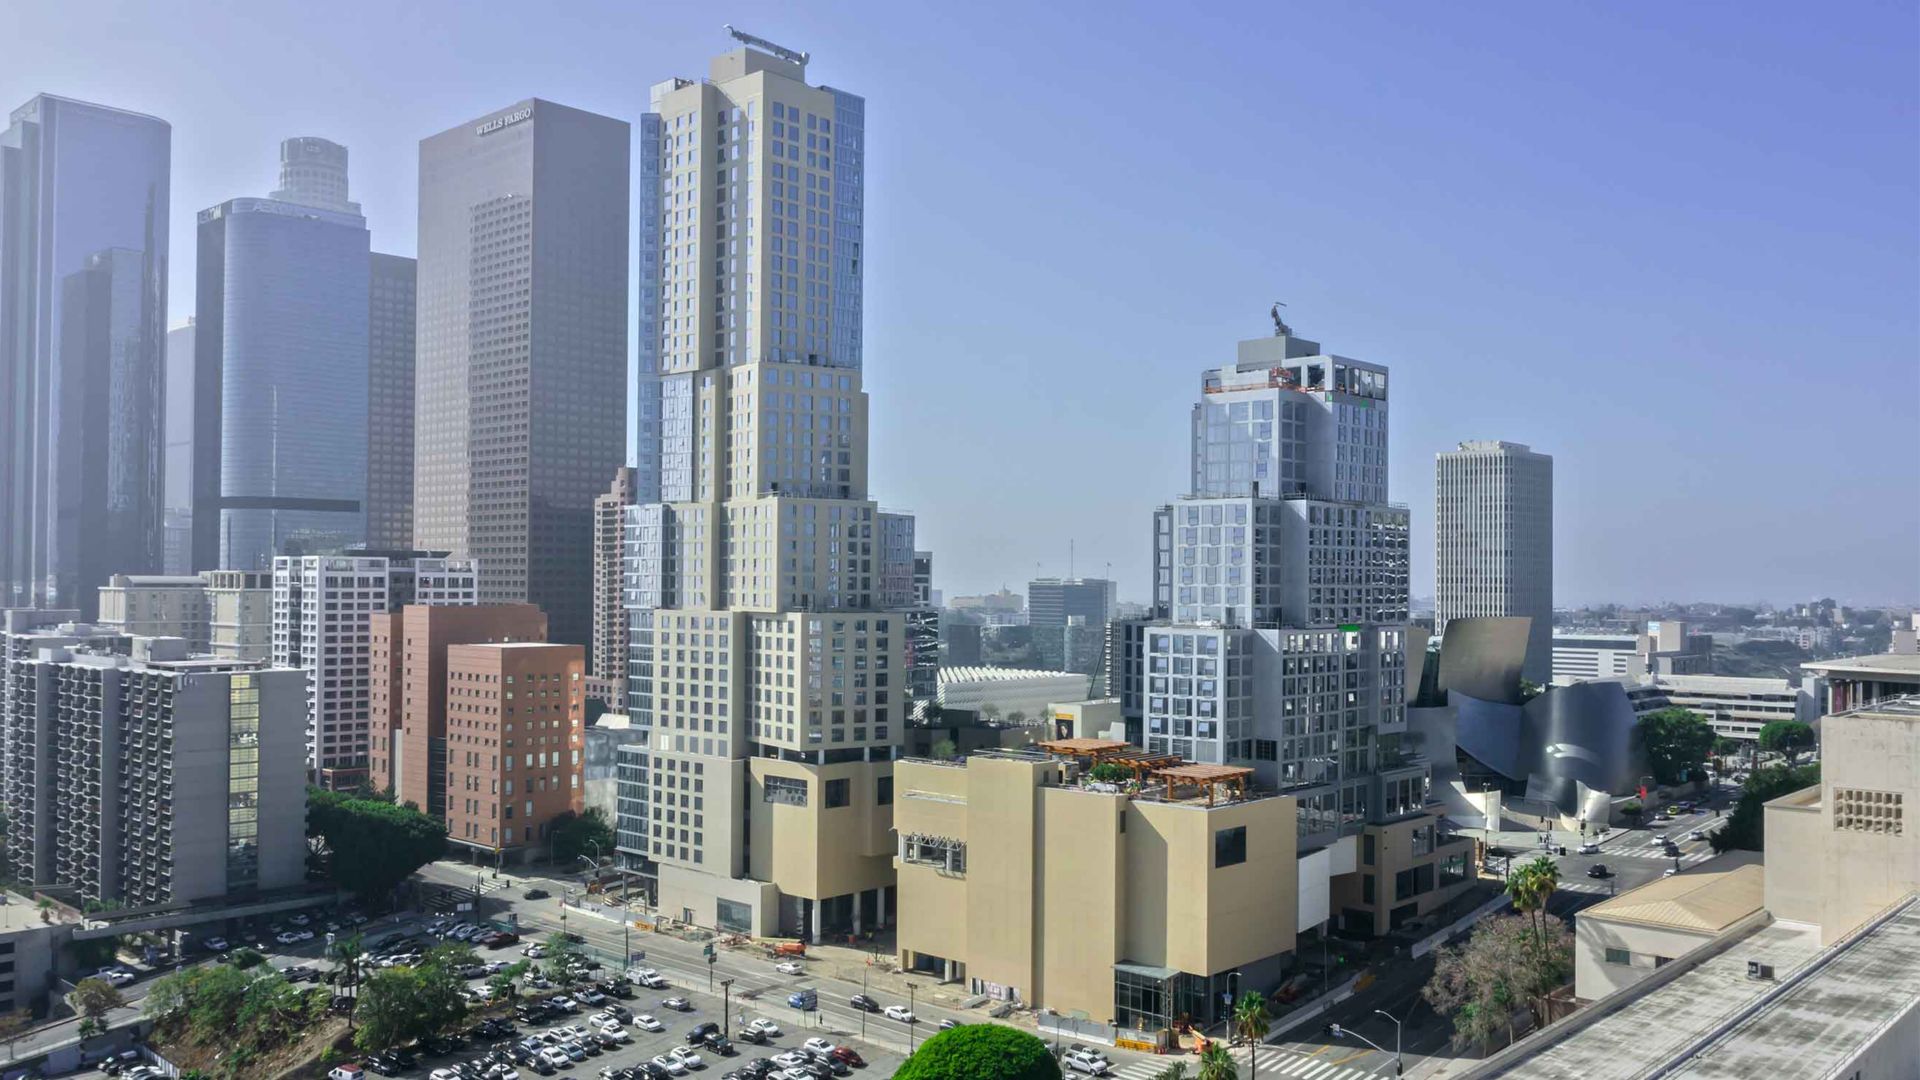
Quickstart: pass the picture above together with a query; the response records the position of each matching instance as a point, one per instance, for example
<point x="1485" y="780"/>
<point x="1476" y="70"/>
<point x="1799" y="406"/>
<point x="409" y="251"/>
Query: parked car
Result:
<point x="647" y="1023"/>
<point x="699" y="1031"/>
<point x="347" y="1072"/>
<point x="765" y="1026"/>
<point x="673" y="1065"/>
<point x="1085" y="1061"/>
<point x="849" y="1055"/>
<point x="719" y="1044"/>
<point x="818" y="1045"/>
<point x="754" y="1035"/>
<point x="677" y="1004"/>
<point x="688" y="1056"/>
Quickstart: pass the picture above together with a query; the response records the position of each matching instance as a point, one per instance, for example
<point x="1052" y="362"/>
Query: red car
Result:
<point x="851" y="1056"/>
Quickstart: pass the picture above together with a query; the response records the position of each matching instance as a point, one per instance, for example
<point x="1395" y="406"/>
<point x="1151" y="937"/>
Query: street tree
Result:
<point x="981" y="1052"/>
<point x="1506" y="965"/>
<point x="399" y="1005"/>
<point x="575" y="835"/>
<point x="349" y="958"/>
<point x="1787" y="737"/>
<point x="369" y="846"/>
<point x="1216" y="1063"/>
<point x="1531" y="885"/>
<point x="1250" y="1024"/>
<point x="1745" y="827"/>
<point x="94" y="998"/>
<point x="1676" y="742"/>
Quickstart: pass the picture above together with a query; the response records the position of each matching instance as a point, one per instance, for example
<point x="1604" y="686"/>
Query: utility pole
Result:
<point x="726" y="1007"/>
<point x="910" y="1022"/>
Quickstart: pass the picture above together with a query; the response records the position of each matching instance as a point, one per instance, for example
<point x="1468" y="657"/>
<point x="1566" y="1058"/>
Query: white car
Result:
<point x="819" y="1046"/>
<point x="300" y="920"/>
<point x="614" y="1031"/>
<point x="789" y="1060"/>
<point x="765" y="1026"/>
<point x="790" y="967"/>
<point x="443" y="1074"/>
<point x="1589" y="848"/>
<point x="287" y="937"/>
<point x="535" y="951"/>
<point x="689" y="1057"/>
<point x="556" y="1057"/>
<point x="900" y="1013"/>
<point x="795" y="1073"/>
<point x="115" y="976"/>
<point x="1085" y="1061"/>
<point x="1697" y="834"/>
<point x="217" y="944"/>
<point x="647" y="1023"/>
<point x="672" y="1064"/>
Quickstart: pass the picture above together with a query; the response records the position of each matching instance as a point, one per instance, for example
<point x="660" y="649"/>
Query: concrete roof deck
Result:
<point x="1711" y="898"/>
<point x="1878" y="664"/>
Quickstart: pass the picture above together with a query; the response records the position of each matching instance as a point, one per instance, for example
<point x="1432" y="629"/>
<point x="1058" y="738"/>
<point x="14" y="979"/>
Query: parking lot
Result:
<point x="643" y="1046"/>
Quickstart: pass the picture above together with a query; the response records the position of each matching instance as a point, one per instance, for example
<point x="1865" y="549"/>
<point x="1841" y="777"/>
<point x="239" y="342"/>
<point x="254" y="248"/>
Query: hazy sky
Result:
<point x="1676" y="246"/>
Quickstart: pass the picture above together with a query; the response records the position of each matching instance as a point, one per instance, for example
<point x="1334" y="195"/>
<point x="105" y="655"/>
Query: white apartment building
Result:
<point x="321" y="605"/>
<point x="1737" y="707"/>
<point x="227" y="613"/>
<point x="1493" y="540"/>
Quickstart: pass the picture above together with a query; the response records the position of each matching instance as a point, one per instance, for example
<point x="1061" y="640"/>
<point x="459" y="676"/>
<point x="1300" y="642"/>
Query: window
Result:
<point x="1366" y="849"/>
<point x="883" y="791"/>
<point x="791" y="791"/>
<point x="837" y="794"/>
<point x="1619" y="956"/>
<point x="1230" y="846"/>
<point x="1862" y="810"/>
<point x="1366" y="888"/>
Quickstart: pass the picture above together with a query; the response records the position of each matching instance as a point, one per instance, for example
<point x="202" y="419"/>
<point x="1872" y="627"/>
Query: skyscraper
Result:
<point x="176" y="484"/>
<point x="313" y="172"/>
<point x="1281" y="568"/>
<point x="1493" y="540"/>
<point x="607" y="659"/>
<point x="390" y="390"/>
<point x="282" y="323"/>
<point x="83" y="301"/>
<point x="1054" y="601"/>
<point x="770" y="683"/>
<point x="520" y="414"/>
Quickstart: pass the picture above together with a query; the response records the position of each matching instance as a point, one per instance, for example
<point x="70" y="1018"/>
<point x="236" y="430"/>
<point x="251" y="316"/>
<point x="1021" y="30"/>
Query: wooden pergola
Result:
<point x="1111" y="752"/>
<point x="1206" y="776"/>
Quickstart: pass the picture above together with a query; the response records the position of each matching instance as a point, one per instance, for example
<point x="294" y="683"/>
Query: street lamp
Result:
<point x="1396" y="1039"/>
<point x="910" y="1018"/>
<point x="726" y="1007"/>
<point x="1339" y="1032"/>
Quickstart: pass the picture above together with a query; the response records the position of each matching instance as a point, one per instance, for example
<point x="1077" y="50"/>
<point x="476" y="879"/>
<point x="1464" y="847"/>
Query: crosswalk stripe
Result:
<point x="1314" y="1070"/>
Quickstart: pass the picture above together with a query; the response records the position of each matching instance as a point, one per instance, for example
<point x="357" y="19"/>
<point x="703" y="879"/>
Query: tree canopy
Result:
<point x="399" y="1005"/>
<point x="586" y="834"/>
<point x="1745" y="827"/>
<point x="1509" y="963"/>
<point x="1787" y="737"/>
<point x="242" y="1014"/>
<point x="1677" y="742"/>
<point x="371" y="845"/>
<point x="981" y="1052"/>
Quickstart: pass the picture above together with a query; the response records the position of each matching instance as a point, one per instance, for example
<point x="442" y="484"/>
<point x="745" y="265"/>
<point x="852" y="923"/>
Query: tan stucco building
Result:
<point x="1621" y="941"/>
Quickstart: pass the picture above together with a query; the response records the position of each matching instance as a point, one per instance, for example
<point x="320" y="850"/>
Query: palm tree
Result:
<point x="350" y="961"/>
<point x="1531" y="885"/>
<point x="1217" y="1064"/>
<point x="1250" y="1023"/>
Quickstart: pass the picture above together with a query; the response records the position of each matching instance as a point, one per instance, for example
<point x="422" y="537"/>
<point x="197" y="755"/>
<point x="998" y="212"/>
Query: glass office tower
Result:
<point x="282" y="323"/>
<point x="83" y="300"/>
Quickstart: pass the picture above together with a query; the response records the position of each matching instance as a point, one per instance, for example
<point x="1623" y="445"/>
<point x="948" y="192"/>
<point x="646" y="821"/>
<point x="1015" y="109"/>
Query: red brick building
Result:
<point x="516" y="716"/>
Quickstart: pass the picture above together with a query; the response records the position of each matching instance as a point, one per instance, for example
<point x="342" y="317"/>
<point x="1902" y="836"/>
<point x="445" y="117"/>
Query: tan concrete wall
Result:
<point x="1794" y="834"/>
<point x="1594" y="978"/>
<point x="1004" y="938"/>
<point x="931" y="800"/>
<point x="814" y="851"/>
<point x="1183" y="912"/>
<point x="1084" y="880"/>
<point x="1866" y="871"/>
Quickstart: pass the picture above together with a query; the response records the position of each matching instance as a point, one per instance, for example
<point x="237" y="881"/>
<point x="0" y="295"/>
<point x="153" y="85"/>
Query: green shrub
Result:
<point x="981" y="1052"/>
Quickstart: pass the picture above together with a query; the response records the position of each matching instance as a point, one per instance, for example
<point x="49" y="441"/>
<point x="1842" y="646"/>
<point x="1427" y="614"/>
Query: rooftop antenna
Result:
<point x="780" y="51"/>
<point x="1280" y="327"/>
<point x="1069" y="558"/>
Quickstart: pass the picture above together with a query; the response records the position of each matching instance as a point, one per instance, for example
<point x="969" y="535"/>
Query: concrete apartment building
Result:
<point x="1493" y="540"/>
<point x="607" y="655"/>
<point x="767" y="675"/>
<point x="83" y="266"/>
<point x="323" y="607"/>
<point x="516" y="714"/>
<point x="407" y="748"/>
<point x="1736" y="706"/>
<point x="227" y="613"/>
<point x="144" y="775"/>
<point x="521" y="391"/>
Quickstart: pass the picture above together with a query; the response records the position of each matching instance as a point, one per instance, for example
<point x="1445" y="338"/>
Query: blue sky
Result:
<point x="1677" y="246"/>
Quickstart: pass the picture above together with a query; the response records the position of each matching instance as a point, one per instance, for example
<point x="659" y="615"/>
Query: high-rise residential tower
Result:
<point x="281" y="330"/>
<point x="767" y="678"/>
<point x="390" y="390"/>
<point x="607" y="658"/>
<point x="1493" y="540"/>
<point x="520" y="400"/>
<point x="83" y="302"/>
<point x="323" y="610"/>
